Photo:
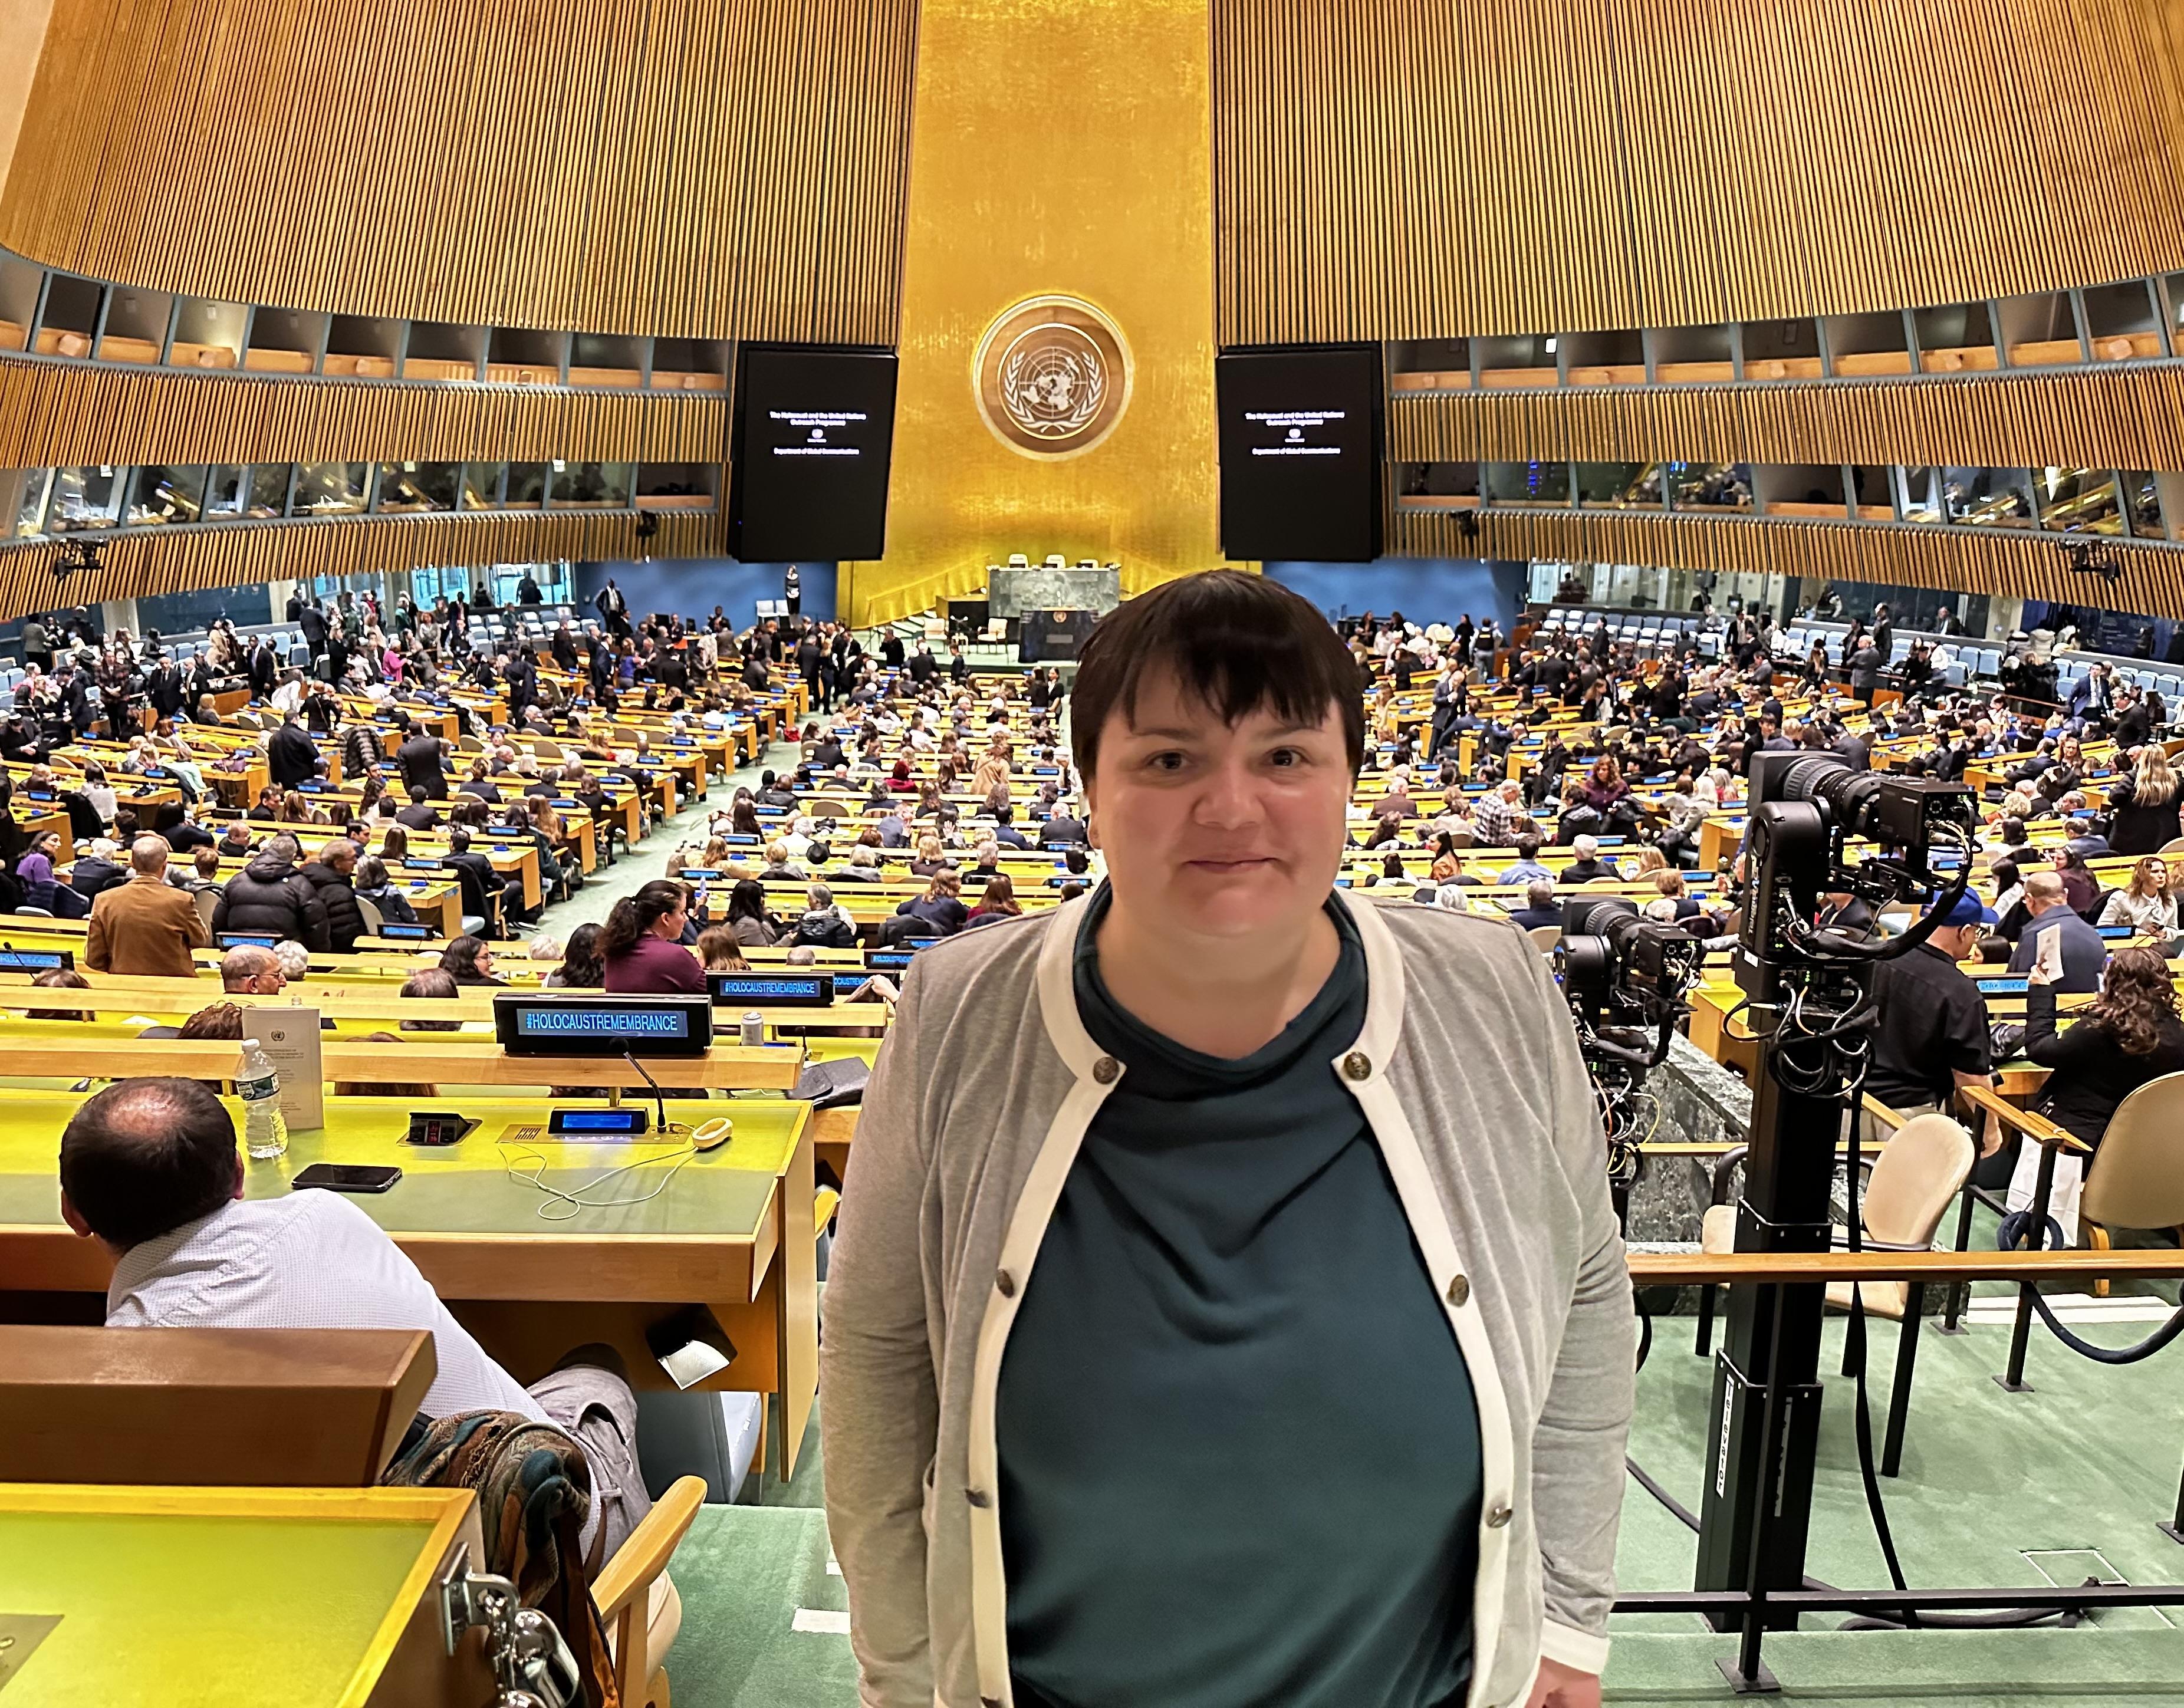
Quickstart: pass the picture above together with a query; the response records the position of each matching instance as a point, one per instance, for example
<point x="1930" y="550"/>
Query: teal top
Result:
<point x="1239" y="1458"/>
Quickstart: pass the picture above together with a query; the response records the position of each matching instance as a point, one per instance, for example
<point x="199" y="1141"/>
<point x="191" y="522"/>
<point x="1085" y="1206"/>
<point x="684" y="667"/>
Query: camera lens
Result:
<point x="1848" y="794"/>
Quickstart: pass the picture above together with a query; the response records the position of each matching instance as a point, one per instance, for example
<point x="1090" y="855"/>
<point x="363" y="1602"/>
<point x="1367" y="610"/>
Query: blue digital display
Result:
<point x="36" y="959"/>
<point x="394" y="929"/>
<point x="2003" y="987"/>
<point x="740" y="842"/>
<point x="700" y="871"/>
<point x="812" y="990"/>
<point x="413" y="864"/>
<point x="237" y="939"/>
<point x="599" y="1119"/>
<point x="888" y="960"/>
<point x="580" y="1019"/>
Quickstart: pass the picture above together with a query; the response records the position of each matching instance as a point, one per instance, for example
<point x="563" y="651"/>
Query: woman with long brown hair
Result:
<point x="2131" y="1035"/>
<point x="2147" y="904"/>
<point x="998" y="902"/>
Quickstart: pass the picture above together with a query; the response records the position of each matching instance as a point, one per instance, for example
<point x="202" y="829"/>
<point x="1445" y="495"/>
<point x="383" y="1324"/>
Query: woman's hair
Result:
<point x="2135" y="997"/>
<point x="2006" y="876"/>
<point x="2141" y="877"/>
<point x="1000" y="896"/>
<point x="2154" y="782"/>
<point x="1667" y="880"/>
<point x="395" y="844"/>
<point x="294" y="808"/>
<point x="1606" y="771"/>
<point x="718" y="951"/>
<point x="634" y="915"/>
<point x="776" y="853"/>
<point x="743" y="818"/>
<point x="928" y="846"/>
<point x="1235" y="642"/>
<point x="460" y="958"/>
<point x="1389" y="829"/>
<point x="1391" y="865"/>
<point x="59" y="978"/>
<point x="944" y="882"/>
<point x="223" y="1020"/>
<point x="370" y="872"/>
<point x="580" y="966"/>
<point x="747" y="900"/>
<point x="1651" y="859"/>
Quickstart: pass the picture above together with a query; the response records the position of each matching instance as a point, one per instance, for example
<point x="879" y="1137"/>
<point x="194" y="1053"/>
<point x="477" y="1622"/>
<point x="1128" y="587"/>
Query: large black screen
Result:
<point x="1301" y="453"/>
<point x="808" y="471"/>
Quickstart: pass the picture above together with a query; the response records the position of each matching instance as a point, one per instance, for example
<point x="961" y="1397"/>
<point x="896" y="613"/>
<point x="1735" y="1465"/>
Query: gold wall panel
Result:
<point x="692" y="168"/>
<point x="136" y="564"/>
<point x="22" y="38"/>
<point x="57" y="416"/>
<point x="1400" y="169"/>
<point x="2129" y="418"/>
<point x="1059" y="145"/>
<point x="1956" y="560"/>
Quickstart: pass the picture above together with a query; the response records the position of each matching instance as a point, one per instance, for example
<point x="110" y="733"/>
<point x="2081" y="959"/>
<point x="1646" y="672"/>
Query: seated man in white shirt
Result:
<point x="150" y="1168"/>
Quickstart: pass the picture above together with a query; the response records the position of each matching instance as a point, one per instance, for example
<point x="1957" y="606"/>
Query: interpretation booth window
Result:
<point x="330" y="489"/>
<point x="1301" y="453"/>
<point x="813" y="440"/>
<point x="591" y="486"/>
<point x="84" y="499"/>
<point x="258" y="491"/>
<point x="416" y="488"/>
<point x="166" y="492"/>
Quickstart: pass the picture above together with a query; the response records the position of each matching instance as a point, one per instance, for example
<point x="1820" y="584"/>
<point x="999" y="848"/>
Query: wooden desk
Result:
<point x="249" y="1598"/>
<point x="732" y="1230"/>
<point x="436" y="1057"/>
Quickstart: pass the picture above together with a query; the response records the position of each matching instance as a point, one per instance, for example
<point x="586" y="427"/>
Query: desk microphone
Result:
<point x="659" y="1097"/>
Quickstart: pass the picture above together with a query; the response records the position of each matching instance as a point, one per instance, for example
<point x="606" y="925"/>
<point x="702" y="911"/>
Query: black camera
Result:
<point x="1624" y="977"/>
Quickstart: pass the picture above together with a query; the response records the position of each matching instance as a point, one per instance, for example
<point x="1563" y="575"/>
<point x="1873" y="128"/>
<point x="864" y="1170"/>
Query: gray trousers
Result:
<point x="596" y="1406"/>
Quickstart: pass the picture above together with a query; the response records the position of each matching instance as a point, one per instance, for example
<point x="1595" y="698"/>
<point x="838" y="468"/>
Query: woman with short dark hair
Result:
<point x="1315" y="1180"/>
<point x="469" y="960"/>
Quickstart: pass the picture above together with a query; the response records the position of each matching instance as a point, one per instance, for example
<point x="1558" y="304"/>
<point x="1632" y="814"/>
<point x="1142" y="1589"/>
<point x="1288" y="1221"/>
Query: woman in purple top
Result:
<point x="35" y="868"/>
<point x="641" y="946"/>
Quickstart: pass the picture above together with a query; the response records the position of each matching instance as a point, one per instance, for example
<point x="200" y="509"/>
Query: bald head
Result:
<point x="148" y="856"/>
<point x="247" y="969"/>
<point x="2044" y="892"/>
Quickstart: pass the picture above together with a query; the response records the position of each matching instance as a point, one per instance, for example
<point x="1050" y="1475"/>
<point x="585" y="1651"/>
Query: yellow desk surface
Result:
<point x="216" y="1597"/>
<point x="530" y="1288"/>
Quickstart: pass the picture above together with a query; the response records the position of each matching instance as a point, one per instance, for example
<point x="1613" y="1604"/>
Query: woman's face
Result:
<point x="2157" y="874"/>
<point x="1218" y="830"/>
<point x="484" y="962"/>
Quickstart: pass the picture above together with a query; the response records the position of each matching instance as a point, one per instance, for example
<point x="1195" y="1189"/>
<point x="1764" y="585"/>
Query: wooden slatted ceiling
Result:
<point x="1404" y="168"/>
<point x="134" y="565"/>
<point x="2129" y="418"/>
<point x="690" y="167"/>
<point x="1957" y="560"/>
<point x="57" y="416"/>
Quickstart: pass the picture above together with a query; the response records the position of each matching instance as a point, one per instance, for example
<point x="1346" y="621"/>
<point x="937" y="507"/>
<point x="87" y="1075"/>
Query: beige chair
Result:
<point x="373" y="919"/>
<point x="1909" y="1187"/>
<point x="1546" y="937"/>
<point x="2172" y="848"/>
<point x="207" y="900"/>
<point x="638" y="1601"/>
<point x="2136" y="1177"/>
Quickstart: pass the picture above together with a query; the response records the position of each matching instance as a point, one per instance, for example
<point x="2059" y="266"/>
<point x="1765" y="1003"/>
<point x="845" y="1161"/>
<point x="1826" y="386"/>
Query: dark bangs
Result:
<point x="1238" y="642"/>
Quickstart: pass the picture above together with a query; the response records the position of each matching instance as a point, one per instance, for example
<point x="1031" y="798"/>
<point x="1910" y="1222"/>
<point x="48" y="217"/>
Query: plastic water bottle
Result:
<point x="754" y="1028"/>
<point x="264" y="1128"/>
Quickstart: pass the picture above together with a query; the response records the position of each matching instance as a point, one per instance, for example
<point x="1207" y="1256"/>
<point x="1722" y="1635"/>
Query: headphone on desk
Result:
<point x="708" y="1136"/>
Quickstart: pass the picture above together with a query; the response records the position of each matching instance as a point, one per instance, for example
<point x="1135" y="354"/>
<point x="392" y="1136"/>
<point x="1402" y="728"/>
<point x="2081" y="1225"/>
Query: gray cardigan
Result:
<point x="1469" y="1075"/>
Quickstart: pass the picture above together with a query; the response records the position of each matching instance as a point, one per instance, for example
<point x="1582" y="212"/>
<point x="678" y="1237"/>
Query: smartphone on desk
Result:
<point x="344" y="1177"/>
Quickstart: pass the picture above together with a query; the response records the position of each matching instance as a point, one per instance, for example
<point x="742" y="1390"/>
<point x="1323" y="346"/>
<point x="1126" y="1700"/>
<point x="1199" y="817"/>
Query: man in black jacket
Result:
<point x="419" y="814"/>
<point x="481" y="884"/>
<point x="96" y="871"/>
<point x="290" y="758"/>
<point x="330" y="876"/>
<point x="264" y="669"/>
<point x="565" y="647"/>
<point x="270" y="897"/>
<point x="420" y="757"/>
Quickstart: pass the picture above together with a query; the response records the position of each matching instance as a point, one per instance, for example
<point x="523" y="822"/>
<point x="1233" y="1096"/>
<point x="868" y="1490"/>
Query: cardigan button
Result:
<point x="1497" y="1515"/>
<point x="977" y="1497"/>
<point x="1459" y="1292"/>
<point x="1357" y="1065"/>
<point x="1006" y="1284"/>
<point x="1106" y="1070"/>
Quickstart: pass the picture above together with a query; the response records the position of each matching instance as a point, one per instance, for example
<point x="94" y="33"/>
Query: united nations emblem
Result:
<point x="1052" y="377"/>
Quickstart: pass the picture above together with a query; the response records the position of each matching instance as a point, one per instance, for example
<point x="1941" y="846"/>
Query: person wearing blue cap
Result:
<point x="1932" y="1036"/>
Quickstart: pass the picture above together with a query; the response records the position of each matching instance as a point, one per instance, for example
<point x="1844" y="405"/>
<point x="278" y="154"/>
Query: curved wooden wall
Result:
<point x="2124" y="418"/>
<point x="1407" y="169"/>
<point x="226" y="555"/>
<point x="58" y="415"/>
<point x="1954" y="560"/>
<point x="686" y="168"/>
